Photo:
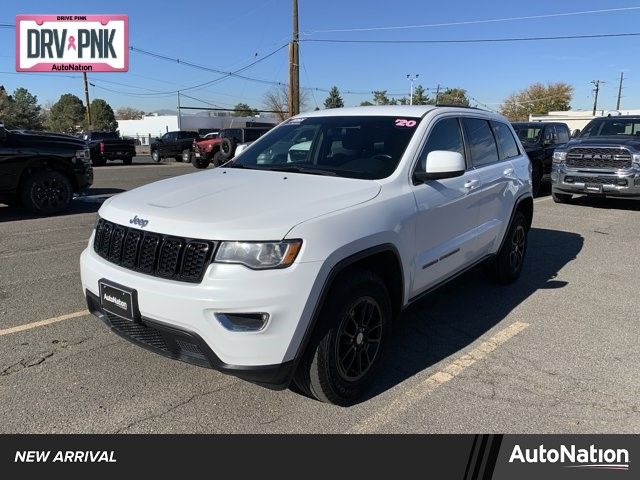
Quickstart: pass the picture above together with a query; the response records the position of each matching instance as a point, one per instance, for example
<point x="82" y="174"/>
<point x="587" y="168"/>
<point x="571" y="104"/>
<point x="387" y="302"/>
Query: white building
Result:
<point x="152" y="126"/>
<point x="577" y="119"/>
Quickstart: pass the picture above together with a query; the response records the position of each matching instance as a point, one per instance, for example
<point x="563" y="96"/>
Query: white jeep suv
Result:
<point x="291" y="262"/>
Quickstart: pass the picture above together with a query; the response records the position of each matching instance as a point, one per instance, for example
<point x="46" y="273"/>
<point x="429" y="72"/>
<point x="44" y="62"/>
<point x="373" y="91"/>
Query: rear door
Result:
<point x="493" y="148"/>
<point x="447" y="212"/>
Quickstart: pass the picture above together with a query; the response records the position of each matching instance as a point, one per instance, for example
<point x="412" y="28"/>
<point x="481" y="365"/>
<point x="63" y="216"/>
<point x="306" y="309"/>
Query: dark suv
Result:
<point x="42" y="171"/>
<point x="176" y="144"/>
<point x="232" y="137"/>
<point x="539" y="141"/>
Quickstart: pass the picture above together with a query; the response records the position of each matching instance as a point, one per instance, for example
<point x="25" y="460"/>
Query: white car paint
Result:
<point x="335" y="217"/>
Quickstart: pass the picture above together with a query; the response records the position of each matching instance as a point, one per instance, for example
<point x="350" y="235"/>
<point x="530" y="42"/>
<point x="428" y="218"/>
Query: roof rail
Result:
<point x="459" y="106"/>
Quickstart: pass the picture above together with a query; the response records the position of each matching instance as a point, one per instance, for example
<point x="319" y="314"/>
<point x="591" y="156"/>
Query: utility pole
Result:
<point x="294" y="65"/>
<point x="179" y="113"/>
<point x="437" y="93"/>
<point x="620" y="91"/>
<point x="86" y="97"/>
<point x="412" y="78"/>
<point x="596" y="90"/>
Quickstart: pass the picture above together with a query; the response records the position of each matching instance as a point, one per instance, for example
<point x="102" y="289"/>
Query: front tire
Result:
<point x="505" y="268"/>
<point x="200" y="163"/>
<point x="185" y="156"/>
<point x="351" y="335"/>
<point x="155" y="156"/>
<point x="46" y="192"/>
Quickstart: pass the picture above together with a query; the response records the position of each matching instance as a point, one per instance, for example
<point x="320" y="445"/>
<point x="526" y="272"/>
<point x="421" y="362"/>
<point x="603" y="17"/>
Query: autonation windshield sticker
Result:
<point x="85" y="43"/>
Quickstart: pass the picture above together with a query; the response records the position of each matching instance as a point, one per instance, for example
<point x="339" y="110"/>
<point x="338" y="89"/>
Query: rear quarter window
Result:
<point x="482" y="144"/>
<point x="506" y="142"/>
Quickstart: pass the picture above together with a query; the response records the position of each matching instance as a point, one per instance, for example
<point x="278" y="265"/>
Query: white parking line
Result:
<point x="42" y="323"/>
<point x="543" y="199"/>
<point x="416" y="393"/>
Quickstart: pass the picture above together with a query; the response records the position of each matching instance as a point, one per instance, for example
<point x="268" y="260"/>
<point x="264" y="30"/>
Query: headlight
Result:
<point x="559" y="156"/>
<point x="83" y="155"/>
<point x="259" y="255"/>
<point x="636" y="160"/>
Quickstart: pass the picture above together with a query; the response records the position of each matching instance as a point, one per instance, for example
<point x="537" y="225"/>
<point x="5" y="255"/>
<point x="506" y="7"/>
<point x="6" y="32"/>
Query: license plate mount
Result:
<point x="119" y="300"/>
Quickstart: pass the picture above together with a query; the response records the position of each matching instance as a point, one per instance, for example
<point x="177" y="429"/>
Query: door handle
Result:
<point x="471" y="184"/>
<point x="508" y="172"/>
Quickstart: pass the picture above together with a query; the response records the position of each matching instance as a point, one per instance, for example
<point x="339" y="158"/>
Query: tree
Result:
<point x="420" y="96"/>
<point x="277" y="100"/>
<point x="454" y="96"/>
<point x="26" y="112"/>
<point x="366" y="103"/>
<point x="6" y="108"/>
<point x="380" y="97"/>
<point x="334" y="100"/>
<point x="102" y="117"/>
<point x="244" y="110"/>
<point x="66" y="115"/>
<point x="537" y="99"/>
<point x="129" y="113"/>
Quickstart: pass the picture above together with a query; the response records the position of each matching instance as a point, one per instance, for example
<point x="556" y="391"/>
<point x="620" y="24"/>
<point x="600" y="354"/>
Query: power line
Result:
<point x="475" y="22"/>
<point x="475" y="40"/>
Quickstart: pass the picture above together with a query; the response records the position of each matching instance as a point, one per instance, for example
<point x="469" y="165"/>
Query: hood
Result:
<point x="236" y="204"/>
<point x="612" y="141"/>
<point x="44" y="139"/>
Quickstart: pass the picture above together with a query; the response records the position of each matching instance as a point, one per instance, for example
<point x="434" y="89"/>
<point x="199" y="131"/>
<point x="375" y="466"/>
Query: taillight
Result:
<point x="101" y="147"/>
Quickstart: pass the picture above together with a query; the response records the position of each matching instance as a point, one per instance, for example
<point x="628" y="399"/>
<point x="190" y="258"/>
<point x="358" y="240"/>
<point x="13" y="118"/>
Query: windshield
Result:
<point x="356" y="147"/>
<point x="607" y="127"/>
<point x="527" y="133"/>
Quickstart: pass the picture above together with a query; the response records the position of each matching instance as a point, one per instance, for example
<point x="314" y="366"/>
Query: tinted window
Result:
<point x="252" y="135"/>
<point x="481" y="142"/>
<point x="358" y="147"/>
<point x="508" y="146"/>
<point x="528" y="133"/>
<point x="612" y="126"/>
<point x="563" y="133"/>
<point x="550" y="135"/>
<point x="445" y="135"/>
<point x="188" y="134"/>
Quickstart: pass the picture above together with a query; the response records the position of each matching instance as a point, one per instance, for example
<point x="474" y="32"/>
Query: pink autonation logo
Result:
<point x="573" y="457"/>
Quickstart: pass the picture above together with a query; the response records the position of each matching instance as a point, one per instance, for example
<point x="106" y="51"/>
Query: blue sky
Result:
<point x="228" y="34"/>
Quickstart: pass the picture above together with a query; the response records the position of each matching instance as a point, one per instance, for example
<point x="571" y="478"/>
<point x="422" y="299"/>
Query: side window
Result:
<point x="550" y="136"/>
<point x="445" y="135"/>
<point x="508" y="146"/>
<point x="563" y="134"/>
<point x="482" y="144"/>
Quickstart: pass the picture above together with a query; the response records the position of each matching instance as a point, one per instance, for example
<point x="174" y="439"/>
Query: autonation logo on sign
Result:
<point x="85" y="43"/>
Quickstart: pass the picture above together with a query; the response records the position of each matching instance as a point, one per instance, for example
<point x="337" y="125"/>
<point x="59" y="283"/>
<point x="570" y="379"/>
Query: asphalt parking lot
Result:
<point x="556" y="352"/>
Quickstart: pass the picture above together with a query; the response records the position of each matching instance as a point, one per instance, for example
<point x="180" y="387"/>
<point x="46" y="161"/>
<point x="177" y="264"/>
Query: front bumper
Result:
<point x="623" y="183"/>
<point x="187" y="310"/>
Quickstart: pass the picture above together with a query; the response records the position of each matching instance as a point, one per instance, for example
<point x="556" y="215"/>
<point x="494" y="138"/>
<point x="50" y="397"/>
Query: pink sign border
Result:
<point x="46" y="67"/>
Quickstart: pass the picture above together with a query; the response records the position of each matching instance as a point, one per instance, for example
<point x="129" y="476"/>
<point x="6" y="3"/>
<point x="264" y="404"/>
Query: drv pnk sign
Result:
<point x="63" y="43"/>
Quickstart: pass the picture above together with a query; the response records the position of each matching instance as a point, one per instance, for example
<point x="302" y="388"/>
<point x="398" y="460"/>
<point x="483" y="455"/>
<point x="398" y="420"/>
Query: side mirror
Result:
<point x="575" y="133"/>
<point x="441" y="164"/>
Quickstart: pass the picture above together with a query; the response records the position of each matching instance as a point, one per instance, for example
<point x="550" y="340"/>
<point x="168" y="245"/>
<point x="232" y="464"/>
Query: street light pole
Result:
<point x="411" y="78"/>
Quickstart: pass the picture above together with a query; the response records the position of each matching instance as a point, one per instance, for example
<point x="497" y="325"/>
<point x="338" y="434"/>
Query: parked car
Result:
<point x="41" y="171"/>
<point x="206" y="151"/>
<point x="232" y="137"/>
<point x="333" y="223"/>
<point x="603" y="160"/>
<point x="176" y="144"/>
<point x="105" y="146"/>
<point x="539" y="141"/>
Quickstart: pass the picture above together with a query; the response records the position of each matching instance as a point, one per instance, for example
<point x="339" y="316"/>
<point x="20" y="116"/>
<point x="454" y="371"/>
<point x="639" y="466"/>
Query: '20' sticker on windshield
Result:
<point x="405" y="123"/>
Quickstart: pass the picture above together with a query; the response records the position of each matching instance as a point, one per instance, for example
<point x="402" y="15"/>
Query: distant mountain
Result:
<point x="164" y="111"/>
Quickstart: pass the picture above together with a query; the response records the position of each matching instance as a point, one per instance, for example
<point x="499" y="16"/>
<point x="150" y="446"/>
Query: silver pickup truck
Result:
<point x="603" y="160"/>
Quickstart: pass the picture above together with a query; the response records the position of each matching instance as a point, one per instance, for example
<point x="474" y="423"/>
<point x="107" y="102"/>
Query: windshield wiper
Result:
<point x="294" y="169"/>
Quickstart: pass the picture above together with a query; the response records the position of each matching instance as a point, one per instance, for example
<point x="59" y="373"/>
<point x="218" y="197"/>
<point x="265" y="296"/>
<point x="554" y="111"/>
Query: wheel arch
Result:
<point x="47" y="163"/>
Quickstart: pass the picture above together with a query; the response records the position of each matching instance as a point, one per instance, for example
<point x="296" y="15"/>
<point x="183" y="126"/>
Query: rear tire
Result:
<point x="561" y="197"/>
<point x="200" y="162"/>
<point x="185" y="156"/>
<point x="348" y="342"/>
<point x="127" y="160"/>
<point x="217" y="159"/>
<point x="506" y="266"/>
<point x="46" y="192"/>
<point x="98" y="162"/>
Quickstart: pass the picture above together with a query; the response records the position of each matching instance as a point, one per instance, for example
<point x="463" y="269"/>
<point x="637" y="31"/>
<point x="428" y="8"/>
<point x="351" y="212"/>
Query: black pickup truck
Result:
<point x="174" y="144"/>
<point x="105" y="146"/>
<point x="539" y="141"/>
<point x="41" y="171"/>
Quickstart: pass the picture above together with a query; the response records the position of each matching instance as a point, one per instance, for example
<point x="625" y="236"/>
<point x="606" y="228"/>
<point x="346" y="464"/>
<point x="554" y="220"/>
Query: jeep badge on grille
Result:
<point x="139" y="221"/>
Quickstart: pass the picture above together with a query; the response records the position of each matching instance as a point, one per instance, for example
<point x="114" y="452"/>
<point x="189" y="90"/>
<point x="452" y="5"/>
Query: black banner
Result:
<point x="467" y="457"/>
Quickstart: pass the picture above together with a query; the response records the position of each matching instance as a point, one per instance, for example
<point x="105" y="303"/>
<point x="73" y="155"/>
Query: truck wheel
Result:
<point x="186" y="155"/>
<point x="200" y="162"/>
<point x="536" y="178"/>
<point x="561" y="197"/>
<point x="350" y="337"/>
<point x="98" y="162"/>
<point x="46" y="192"/>
<point x="227" y="148"/>
<point x="217" y="159"/>
<point x="128" y="160"/>
<point x="506" y="266"/>
<point x="155" y="156"/>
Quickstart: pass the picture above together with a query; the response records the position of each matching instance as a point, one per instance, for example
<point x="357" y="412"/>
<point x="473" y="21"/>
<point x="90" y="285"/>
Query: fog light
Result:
<point x="568" y="179"/>
<point x="622" y="182"/>
<point x="243" y="322"/>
